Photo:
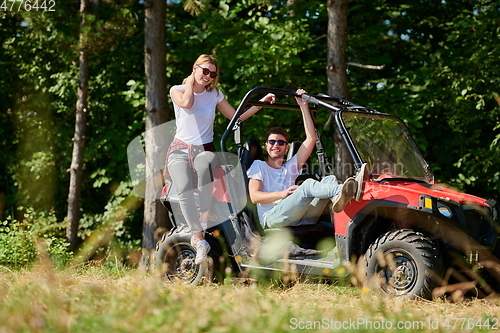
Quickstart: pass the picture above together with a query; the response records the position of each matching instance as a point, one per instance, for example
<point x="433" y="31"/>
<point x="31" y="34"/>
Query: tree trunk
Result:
<point x="73" y="216"/>
<point x="155" y="214"/>
<point x="337" y="75"/>
<point x="337" y="44"/>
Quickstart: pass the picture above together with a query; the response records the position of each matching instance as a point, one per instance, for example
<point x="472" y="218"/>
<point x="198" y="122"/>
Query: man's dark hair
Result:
<point x="278" y="130"/>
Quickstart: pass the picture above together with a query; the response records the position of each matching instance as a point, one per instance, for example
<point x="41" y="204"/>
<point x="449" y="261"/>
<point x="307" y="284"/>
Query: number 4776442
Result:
<point x="28" y="5"/>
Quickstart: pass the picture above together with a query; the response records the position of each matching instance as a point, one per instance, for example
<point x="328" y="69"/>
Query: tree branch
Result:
<point x="365" y="66"/>
<point x="497" y="98"/>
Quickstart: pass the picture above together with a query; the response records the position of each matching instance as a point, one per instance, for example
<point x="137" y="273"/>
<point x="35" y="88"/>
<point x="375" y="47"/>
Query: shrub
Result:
<point x="16" y="248"/>
<point x="18" y="240"/>
<point x="108" y="234"/>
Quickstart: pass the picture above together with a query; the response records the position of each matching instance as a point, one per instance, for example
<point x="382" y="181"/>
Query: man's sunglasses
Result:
<point x="206" y="71"/>
<point x="279" y="142"/>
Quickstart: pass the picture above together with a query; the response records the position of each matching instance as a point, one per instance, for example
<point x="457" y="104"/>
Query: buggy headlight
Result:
<point x="444" y="210"/>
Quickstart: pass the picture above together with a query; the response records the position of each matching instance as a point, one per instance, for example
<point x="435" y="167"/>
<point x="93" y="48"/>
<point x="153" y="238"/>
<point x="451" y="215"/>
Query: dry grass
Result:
<point x="99" y="299"/>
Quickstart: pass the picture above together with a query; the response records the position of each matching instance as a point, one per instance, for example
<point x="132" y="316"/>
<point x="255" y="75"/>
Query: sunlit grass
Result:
<point x="110" y="298"/>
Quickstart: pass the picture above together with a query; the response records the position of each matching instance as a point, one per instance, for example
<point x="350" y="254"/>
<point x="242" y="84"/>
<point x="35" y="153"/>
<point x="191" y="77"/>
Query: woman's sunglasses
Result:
<point x="279" y="142"/>
<point x="206" y="71"/>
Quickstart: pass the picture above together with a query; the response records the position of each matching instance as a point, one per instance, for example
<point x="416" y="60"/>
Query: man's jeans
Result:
<point x="304" y="205"/>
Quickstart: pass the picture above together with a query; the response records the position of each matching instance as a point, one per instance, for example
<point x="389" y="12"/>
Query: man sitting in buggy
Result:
<point x="272" y="186"/>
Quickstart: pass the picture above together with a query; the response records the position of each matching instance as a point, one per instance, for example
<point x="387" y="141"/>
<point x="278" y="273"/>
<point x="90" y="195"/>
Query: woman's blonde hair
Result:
<point x="207" y="59"/>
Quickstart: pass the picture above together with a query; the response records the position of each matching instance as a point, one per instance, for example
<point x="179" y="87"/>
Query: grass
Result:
<point x="111" y="298"/>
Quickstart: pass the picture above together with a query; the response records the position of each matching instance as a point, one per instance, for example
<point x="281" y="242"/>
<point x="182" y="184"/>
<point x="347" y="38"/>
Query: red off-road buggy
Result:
<point x="408" y="235"/>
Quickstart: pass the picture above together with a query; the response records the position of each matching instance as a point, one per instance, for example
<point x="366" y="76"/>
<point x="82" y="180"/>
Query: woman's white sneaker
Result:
<point x="202" y="249"/>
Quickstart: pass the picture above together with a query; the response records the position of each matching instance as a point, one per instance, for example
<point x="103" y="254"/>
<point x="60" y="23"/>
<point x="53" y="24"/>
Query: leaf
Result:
<point x="263" y="21"/>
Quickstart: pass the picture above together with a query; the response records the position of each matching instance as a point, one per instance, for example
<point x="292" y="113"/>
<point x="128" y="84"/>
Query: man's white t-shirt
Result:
<point x="273" y="180"/>
<point x="195" y="126"/>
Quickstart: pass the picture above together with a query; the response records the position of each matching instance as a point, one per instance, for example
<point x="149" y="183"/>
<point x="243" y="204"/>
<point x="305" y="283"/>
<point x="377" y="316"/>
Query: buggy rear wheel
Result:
<point x="403" y="263"/>
<point x="174" y="259"/>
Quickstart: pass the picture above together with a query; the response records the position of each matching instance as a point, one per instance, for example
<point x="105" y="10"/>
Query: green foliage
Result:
<point x="439" y="59"/>
<point x="21" y="242"/>
<point x="117" y="218"/>
<point x="40" y="52"/>
<point x="16" y="249"/>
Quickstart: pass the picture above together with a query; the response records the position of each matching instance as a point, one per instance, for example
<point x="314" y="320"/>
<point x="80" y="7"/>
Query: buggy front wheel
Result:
<point x="403" y="263"/>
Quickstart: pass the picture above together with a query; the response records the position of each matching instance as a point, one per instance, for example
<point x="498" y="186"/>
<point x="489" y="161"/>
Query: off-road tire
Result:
<point x="174" y="260"/>
<point x="415" y="259"/>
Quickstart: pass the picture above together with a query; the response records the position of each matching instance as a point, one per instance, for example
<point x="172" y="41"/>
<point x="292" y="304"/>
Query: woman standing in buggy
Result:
<point x="191" y="153"/>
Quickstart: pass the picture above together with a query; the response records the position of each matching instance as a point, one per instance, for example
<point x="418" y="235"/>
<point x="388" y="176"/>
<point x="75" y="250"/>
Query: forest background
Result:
<point x="437" y="63"/>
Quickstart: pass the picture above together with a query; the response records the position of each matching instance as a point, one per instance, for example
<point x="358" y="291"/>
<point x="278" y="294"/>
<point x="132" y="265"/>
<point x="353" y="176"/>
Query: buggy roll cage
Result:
<point x="335" y="105"/>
